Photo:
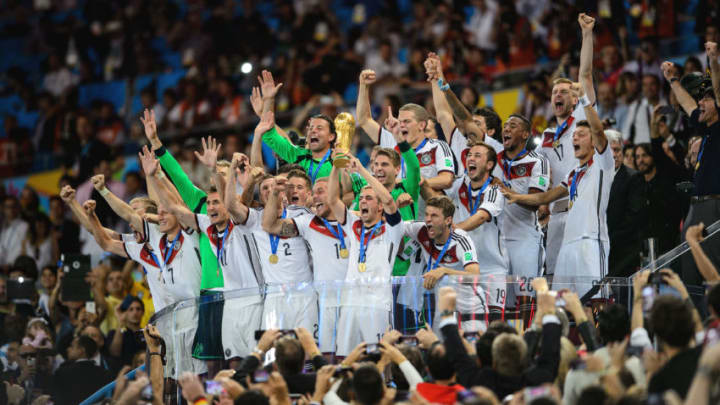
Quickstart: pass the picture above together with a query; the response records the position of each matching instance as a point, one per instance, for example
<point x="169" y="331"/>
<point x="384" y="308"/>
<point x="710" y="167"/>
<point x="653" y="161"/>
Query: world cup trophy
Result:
<point x="344" y="133"/>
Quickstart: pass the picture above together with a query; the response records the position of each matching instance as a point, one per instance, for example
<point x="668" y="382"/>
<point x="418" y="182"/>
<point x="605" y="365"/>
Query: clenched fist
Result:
<point x="367" y="77"/>
<point x="98" y="181"/>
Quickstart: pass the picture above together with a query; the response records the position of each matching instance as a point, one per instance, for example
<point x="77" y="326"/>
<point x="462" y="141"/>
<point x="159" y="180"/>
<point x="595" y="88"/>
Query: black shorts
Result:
<point x="207" y="344"/>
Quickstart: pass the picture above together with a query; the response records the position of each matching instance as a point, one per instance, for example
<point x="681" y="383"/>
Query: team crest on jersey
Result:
<point x="521" y="170"/>
<point x="427" y="158"/>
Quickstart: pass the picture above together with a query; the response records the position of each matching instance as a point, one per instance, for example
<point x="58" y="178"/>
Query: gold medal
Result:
<point x="697" y="166"/>
<point x="274" y="258"/>
<point x="362" y="267"/>
<point x="344" y="253"/>
<point x="570" y="204"/>
<point x="556" y="143"/>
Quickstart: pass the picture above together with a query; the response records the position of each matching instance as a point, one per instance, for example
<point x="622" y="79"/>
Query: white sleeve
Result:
<point x="133" y="249"/>
<point x="302" y="223"/>
<point x="469" y="255"/>
<point x="350" y="219"/>
<point x="412" y="376"/>
<point x="605" y="159"/>
<point x="494" y="143"/>
<point x="640" y="337"/>
<point x="452" y="192"/>
<point x="153" y="234"/>
<point x="254" y="219"/>
<point x="540" y="175"/>
<point x="412" y="228"/>
<point x="203" y="222"/>
<point x="444" y="158"/>
<point x="387" y="140"/>
<point x="458" y="144"/>
<point x="494" y="202"/>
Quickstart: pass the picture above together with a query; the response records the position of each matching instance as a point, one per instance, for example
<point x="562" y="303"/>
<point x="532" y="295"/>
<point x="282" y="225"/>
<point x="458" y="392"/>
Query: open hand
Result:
<point x="267" y="85"/>
<point x="267" y="122"/>
<point x="150" y="125"/>
<point x="148" y="162"/>
<point x="211" y="148"/>
<point x="256" y="101"/>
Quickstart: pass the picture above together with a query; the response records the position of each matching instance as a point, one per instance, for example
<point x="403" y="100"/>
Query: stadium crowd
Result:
<point x="288" y="240"/>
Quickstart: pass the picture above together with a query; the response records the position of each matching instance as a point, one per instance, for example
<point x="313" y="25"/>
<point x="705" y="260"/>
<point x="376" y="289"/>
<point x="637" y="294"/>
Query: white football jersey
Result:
<point x="381" y="250"/>
<point x="173" y="274"/>
<point x="528" y="172"/>
<point x="293" y="265"/>
<point x="434" y="156"/>
<point x="234" y="248"/>
<point x="561" y="158"/>
<point x="460" y="253"/>
<point x="492" y="256"/>
<point x="459" y="147"/>
<point x="324" y="246"/>
<point x="587" y="218"/>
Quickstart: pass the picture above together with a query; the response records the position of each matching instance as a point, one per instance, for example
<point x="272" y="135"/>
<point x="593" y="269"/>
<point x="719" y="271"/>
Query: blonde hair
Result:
<point x="421" y="114"/>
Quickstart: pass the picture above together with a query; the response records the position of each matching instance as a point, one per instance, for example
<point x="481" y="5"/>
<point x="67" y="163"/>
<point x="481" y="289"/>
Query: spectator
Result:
<point x="58" y="79"/>
<point x="101" y="357"/>
<point x="48" y="279"/>
<point x="672" y="323"/>
<point x="39" y="243"/>
<point x="148" y="99"/>
<point x="12" y="231"/>
<point x="646" y="62"/>
<point x="80" y="373"/>
<point x="624" y="239"/>
<point x="636" y="127"/>
<point x="608" y="106"/>
<point x="64" y="231"/>
<point x="114" y="285"/>
<point x="125" y="341"/>
<point x="443" y="389"/>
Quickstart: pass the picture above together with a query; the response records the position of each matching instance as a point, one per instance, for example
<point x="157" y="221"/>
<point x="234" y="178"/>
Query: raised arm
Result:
<point x="442" y="109"/>
<point x="596" y="127"/>
<point x="535" y="199"/>
<point x="586" y="56"/>
<point x="333" y="197"/>
<point x="68" y="196"/>
<point x="267" y="122"/>
<point x="362" y="108"/>
<point x="694" y="236"/>
<point x="189" y="193"/>
<point x="120" y="207"/>
<point x="711" y="49"/>
<point x="185" y="217"/>
<point x="107" y="244"/>
<point x="269" y="91"/>
<point x="238" y="211"/>
<point x="270" y="221"/>
<point x="383" y="194"/>
<point x="684" y="99"/>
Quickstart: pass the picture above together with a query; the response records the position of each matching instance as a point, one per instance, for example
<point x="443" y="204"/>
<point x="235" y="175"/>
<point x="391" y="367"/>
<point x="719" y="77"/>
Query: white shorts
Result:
<point x="327" y="328"/>
<point x="555" y="234"/>
<point x="526" y="260"/>
<point x="360" y="324"/>
<point x="178" y="331"/>
<point x="581" y="264"/>
<point x="290" y="310"/>
<point x="240" y="321"/>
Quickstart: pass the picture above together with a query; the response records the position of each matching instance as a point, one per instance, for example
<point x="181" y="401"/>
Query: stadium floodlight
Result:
<point x="246" y="67"/>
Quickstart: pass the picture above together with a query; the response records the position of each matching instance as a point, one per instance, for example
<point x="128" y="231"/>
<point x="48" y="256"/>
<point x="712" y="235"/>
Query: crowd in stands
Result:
<point x="357" y="156"/>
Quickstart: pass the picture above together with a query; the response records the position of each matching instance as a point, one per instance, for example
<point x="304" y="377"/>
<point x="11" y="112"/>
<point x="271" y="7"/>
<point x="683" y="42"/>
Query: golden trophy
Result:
<point x="344" y="133"/>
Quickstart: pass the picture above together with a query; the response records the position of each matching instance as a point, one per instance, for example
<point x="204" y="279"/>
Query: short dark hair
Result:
<point x="302" y="175"/>
<point x="252" y="397"/>
<point x="672" y="321"/>
<point x="290" y="355"/>
<point x="367" y="384"/>
<point x="713" y="298"/>
<point x="444" y="203"/>
<point x="287" y="168"/>
<point x="138" y="300"/>
<point x="329" y="120"/>
<point x="526" y="123"/>
<point x="491" y="154"/>
<point x="646" y="147"/>
<point x="88" y="345"/>
<point x="390" y="154"/>
<point x="613" y="323"/>
<point x="593" y="395"/>
<point x="415" y="357"/>
<point x="492" y="119"/>
<point x="483" y="346"/>
<point x="583" y="123"/>
<point x="439" y="364"/>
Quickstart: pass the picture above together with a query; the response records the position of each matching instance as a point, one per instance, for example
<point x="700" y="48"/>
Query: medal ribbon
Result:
<point x="508" y="166"/>
<point x="700" y="153"/>
<point x="559" y="130"/>
<point x="168" y="253"/>
<point x="476" y="203"/>
<point x="221" y="245"/>
<point x="275" y="240"/>
<point x="573" y="186"/>
<point x="430" y="265"/>
<point x="363" y="243"/>
<point x="339" y="235"/>
<point x="314" y="170"/>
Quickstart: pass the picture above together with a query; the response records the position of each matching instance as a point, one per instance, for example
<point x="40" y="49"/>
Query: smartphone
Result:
<point x="636" y="351"/>
<point x="371" y="348"/>
<point x="288" y="332"/>
<point x="471" y="336"/>
<point x="559" y="301"/>
<point x="341" y="371"/>
<point x="147" y="393"/>
<point x="20" y="289"/>
<point x="90" y="307"/>
<point x="213" y="387"/>
<point x="260" y="376"/>
<point x="409" y="340"/>
<point x="533" y="393"/>
<point x="76" y="268"/>
<point x="648" y="295"/>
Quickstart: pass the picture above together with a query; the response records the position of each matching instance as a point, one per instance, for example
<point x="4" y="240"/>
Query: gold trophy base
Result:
<point x="341" y="162"/>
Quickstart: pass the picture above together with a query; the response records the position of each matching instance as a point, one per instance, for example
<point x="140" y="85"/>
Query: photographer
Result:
<point x="126" y="340"/>
<point x="80" y="372"/>
<point x="705" y="201"/>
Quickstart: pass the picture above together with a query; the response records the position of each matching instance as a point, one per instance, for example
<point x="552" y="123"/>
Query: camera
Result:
<point x="372" y="352"/>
